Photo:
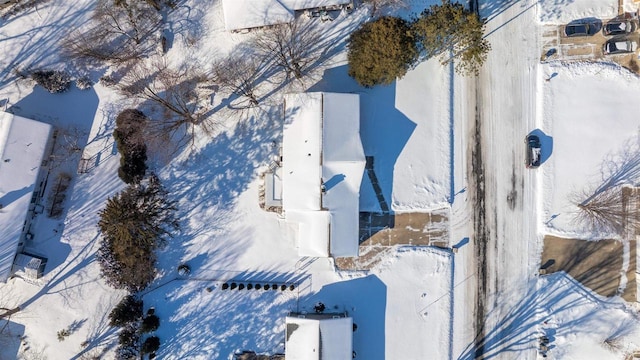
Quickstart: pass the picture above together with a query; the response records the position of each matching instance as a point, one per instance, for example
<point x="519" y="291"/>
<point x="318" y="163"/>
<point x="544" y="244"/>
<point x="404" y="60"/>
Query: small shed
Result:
<point x="32" y="266"/>
<point x="319" y="337"/>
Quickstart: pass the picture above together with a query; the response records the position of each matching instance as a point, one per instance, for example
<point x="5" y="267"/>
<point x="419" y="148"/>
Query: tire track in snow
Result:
<point x="480" y="229"/>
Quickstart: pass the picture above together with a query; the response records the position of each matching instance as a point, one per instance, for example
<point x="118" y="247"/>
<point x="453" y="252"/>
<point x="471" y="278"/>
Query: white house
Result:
<point x="322" y="167"/>
<point x="249" y="14"/>
<point x="318" y="337"/>
<point x="24" y="144"/>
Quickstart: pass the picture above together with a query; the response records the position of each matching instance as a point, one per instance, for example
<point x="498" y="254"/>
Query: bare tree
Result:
<point x="296" y="47"/>
<point x="179" y="94"/>
<point x="615" y="210"/>
<point x="239" y="74"/>
<point x="613" y="205"/>
<point x="121" y="31"/>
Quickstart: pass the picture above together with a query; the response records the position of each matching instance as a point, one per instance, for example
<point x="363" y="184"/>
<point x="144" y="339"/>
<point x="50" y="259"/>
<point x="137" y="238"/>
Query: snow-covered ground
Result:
<point x="561" y="12"/>
<point x="404" y="301"/>
<point x="408" y="306"/>
<point x="585" y="143"/>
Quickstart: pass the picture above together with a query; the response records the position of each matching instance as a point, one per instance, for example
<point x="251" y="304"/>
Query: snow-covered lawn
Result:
<point x="403" y="307"/>
<point x="582" y="142"/>
<point x="225" y="235"/>
<point x="400" y="308"/>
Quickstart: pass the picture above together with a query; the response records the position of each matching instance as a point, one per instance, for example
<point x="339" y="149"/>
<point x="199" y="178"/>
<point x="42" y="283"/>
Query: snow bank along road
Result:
<point x="502" y="188"/>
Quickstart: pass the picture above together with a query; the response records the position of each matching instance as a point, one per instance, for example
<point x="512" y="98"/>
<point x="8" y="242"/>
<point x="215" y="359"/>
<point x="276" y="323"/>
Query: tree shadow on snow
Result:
<point x="37" y="47"/>
<point x="519" y="329"/>
<point x="207" y="185"/>
<point x="201" y="319"/>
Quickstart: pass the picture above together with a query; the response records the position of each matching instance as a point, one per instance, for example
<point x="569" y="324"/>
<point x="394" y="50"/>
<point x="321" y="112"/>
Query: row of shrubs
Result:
<point x="250" y="286"/>
<point x="133" y="324"/>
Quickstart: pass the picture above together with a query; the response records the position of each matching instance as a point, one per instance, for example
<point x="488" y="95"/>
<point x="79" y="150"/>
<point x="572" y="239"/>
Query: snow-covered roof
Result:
<point x="322" y="149"/>
<point x="313" y="4"/>
<point x="22" y="146"/>
<point x="247" y="14"/>
<point x="319" y="339"/>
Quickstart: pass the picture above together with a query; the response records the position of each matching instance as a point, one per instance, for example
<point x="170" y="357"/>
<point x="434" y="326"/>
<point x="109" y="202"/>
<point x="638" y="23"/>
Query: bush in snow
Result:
<point x="84" y="83"/>
<point x="128" y="343"/>
<point x="52" y="80"/>
<point x="128" y="310"/>
<point x="63" y="334"/>
<point x="134" y="224"/>
<point x="129" y="137"/>
<point x="149" y="324"/>
<point x="150" y="345"/>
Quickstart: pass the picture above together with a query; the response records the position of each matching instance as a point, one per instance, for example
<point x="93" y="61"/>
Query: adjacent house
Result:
<point x="322" y="167"/>
<point x="319" y="337"/>
<point x="24" y="148"/>
<point x="250" y="14"/>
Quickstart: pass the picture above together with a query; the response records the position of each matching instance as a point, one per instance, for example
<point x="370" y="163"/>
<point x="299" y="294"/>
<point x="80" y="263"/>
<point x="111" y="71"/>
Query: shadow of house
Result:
<point x="365" y="301"/>
<point x="10" y="338"/>
<point x="73" y="107"/>
<point x="384" y="131"/>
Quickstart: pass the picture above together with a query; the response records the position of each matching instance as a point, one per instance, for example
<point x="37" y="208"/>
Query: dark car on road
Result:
<point x="533" y="151"/>
<point x="619" y="27"/>
<point x="583" y="29"/>
<point x="619" y="46"/>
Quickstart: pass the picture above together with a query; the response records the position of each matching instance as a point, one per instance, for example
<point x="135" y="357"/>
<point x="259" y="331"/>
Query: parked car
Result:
<point x="533" y="151"/>
<point x="619" y="46"/>
<point x="584" y="29"/>
<point x="619" y="27"/>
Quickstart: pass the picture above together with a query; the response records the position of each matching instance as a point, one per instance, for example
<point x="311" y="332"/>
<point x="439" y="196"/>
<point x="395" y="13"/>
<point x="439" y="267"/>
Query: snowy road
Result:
<point x="503" y="189"/>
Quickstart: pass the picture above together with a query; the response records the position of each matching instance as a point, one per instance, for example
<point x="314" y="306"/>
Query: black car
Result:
<point x="584" y="29"/>
<point x="619" y="27"/>
<point x="533" y="151"/>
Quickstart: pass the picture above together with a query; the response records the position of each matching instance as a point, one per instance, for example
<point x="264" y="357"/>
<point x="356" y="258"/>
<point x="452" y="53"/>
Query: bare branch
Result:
<point x="239" y="74"/>
<point x="119" y="33"/>
<point x="294" y="47"/>
<point x="180" y="95"/>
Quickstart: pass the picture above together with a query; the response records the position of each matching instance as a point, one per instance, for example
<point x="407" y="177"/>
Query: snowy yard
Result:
<point x="583" y="143"/>
<point x="407" y="306"/>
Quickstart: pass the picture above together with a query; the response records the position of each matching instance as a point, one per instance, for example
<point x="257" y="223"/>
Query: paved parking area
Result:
<point x="380" y="232"/>
<point x="556" y="46"/>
